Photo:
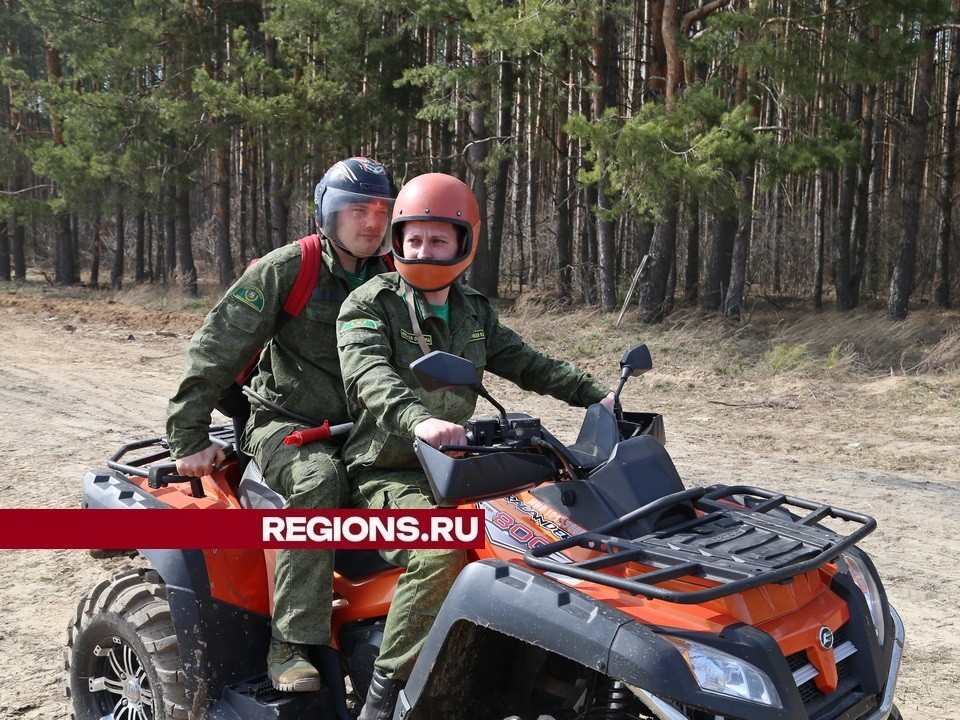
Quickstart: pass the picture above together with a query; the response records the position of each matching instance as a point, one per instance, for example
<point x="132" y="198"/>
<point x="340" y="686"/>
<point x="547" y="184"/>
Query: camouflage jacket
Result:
<point x="377" y="345"/>
<point x="299" y="368"/>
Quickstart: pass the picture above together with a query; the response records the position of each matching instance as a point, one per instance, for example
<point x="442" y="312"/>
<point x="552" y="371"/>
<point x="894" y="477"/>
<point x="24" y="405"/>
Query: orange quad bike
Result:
<point x="605" y="590"/>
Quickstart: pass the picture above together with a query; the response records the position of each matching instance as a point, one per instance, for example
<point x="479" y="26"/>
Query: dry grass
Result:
<point x="791" y="339"/>
<point x="944" y="356"/>
<point x="794" y="340"/>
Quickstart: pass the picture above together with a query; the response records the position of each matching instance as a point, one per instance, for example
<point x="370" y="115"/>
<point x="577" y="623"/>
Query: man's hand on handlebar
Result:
<point x="201" y="463"/>
<point x="435" y="432"/>
<point x="607" y="402"/>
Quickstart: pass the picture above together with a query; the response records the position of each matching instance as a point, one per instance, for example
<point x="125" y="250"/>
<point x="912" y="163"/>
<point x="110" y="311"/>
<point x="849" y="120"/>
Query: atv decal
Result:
<point x="510" y="533"/>
<point x="546" y="517"/>
<point x="249" y="296"/>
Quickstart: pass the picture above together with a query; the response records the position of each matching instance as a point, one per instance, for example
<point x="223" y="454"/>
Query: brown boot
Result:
<point x="288" y="668"/>
<point x="381" y="697"/>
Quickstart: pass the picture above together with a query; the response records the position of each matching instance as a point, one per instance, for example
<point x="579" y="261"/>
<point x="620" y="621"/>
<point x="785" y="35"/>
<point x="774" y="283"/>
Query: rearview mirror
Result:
<point x="636" y="360"/>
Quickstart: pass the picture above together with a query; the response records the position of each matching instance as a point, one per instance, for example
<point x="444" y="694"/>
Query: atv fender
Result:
<point x="220" y="643"/>
<point x="494" y="604"/>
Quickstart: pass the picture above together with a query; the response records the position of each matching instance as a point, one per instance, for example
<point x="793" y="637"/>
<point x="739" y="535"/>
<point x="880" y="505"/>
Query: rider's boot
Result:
<point x="288" y="667"/>
<point x="381" y="697"/>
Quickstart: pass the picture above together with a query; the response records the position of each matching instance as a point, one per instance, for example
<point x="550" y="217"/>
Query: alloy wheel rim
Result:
<point x="119" y="682"/>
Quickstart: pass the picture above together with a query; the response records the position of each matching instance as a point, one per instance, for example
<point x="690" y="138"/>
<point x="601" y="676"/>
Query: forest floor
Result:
<point x="848" y="409"/>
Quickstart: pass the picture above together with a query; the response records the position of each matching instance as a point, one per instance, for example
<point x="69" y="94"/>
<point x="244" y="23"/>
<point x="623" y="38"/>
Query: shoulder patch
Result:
<point x="249" y="296"/>
<point x="476" y="335"/>
<point x="410" y="337"/>
<point x="360" y="323"/>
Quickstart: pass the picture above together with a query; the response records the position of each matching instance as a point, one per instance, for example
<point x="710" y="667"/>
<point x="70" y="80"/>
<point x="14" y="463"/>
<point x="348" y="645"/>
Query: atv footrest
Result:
<point x="743" y="537"/>
<point x="258" y="700"/>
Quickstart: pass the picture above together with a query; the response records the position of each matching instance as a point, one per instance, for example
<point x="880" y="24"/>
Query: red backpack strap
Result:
<point x="307" y="276"/>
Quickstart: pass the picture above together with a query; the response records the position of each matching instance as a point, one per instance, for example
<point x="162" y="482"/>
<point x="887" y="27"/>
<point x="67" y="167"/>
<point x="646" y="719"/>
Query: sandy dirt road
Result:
<point x="80" y="379"/>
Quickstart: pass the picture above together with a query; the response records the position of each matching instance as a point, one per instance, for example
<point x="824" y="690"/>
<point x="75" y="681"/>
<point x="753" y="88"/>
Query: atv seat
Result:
<point x="255" y="494"/>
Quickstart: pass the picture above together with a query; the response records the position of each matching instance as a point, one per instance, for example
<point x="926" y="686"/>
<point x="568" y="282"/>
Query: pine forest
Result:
<point x="685" y="152"/>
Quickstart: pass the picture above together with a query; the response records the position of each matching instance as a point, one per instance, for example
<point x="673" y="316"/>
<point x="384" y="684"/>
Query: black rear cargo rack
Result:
<point x="739" y="546"/>
<point x="160" y="474"/>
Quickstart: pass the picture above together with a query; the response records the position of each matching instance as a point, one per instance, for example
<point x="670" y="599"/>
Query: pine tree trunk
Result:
<point x="4" y="252"/>
<point x="901" y="284"/>
<point x="185" y="265"/>
<point x="95" y="254"/>
<point x="482" y="274"/>
<point x="63" y="271"/>
<point x="655" y="299"/>
<point x="75" y="245"/>
<point x="151" y="269"/>
<point x="942" y="275"/>
<point x="862" y="219"/>
<point x="18" y="250"/>
<point x="844" y="224"/>
<point x="266" y="195"/>
<point x="534" y="174"/>
<point x="255" y="242"/>
<point x="243" y="213"/>
<point x="170" y="233"/>
<point x="872" y="262"/>
<point x="116" y="267"/>
<point x="140" y="249"/>
<point x="603" y="95"/>
<point x="691" y="273"/>
<point x="565" y="188"/>
<point x="778" y="192"/>
<point x="564" y="236"/>
<point x="278" y="215"/>
<point x="499" y="210"/>
<point x="723" y="232"/>
<point x="819" y="236"/>
<point x="819" y="193"/>
<point x="733" y="304"/>
<point x="224" y="259"/>
<point x="588" y="249"/>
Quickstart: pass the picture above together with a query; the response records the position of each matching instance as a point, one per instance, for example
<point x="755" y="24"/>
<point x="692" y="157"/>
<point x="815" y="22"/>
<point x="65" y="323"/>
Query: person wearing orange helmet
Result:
<point x="384" y="326"/>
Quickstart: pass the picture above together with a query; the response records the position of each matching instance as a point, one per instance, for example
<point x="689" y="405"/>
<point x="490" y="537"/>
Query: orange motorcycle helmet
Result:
<point x="442" y="198"/>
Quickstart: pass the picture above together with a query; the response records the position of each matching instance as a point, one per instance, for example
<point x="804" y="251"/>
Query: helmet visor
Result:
<point x="357" y="222"/>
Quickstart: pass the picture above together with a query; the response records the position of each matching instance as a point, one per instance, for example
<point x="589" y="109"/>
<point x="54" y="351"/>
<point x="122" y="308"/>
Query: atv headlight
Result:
<point x="852" y="565"/>
<point x="718" y="672"/>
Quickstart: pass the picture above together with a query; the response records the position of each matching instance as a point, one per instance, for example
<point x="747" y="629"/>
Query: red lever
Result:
<point x="305" y="437"/>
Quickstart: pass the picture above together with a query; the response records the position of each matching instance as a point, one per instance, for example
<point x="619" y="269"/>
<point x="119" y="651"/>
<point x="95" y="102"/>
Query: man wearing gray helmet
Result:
<point x="299" y="370"/>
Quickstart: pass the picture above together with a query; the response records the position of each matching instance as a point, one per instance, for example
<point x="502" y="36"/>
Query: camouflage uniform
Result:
<point x="300" y="370"/>
<point x="377" y="345"/>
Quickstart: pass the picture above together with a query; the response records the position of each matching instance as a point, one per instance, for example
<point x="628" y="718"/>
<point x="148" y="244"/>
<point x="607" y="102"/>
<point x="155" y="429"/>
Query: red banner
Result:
<point x="239" y="529"/>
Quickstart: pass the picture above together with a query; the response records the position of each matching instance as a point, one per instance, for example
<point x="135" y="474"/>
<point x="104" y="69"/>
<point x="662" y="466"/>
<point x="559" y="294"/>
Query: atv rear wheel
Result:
<point x="122" y="657"/>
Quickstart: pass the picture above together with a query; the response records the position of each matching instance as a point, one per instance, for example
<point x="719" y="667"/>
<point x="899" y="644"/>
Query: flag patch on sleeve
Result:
<point x="250" y="296"/>
<point x="365" y="323"/>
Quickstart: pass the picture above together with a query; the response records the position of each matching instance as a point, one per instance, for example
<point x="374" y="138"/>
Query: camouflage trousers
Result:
<point x="429" y="574"/>
<point x="309" y="477"/>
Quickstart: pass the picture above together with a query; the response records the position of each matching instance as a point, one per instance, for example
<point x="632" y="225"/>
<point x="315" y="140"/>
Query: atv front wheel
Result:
<point x="122" y="658"/>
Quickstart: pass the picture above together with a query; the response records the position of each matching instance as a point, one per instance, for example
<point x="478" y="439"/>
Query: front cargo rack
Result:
<point x="743" y="537"/>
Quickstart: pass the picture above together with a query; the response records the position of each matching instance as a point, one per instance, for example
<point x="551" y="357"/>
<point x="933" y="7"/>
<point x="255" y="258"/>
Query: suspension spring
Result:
<point x="612" y="702"/>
